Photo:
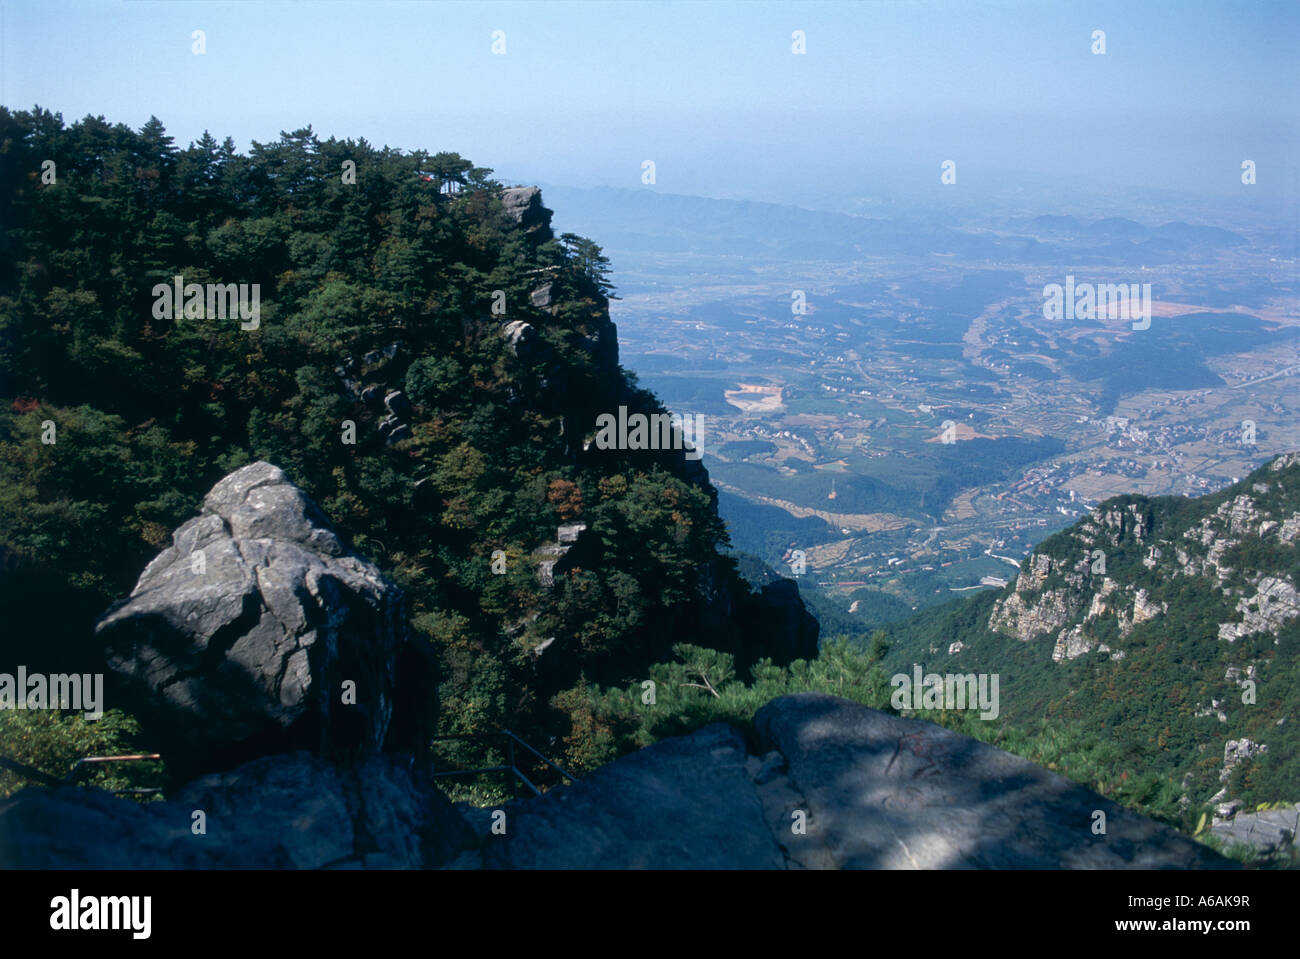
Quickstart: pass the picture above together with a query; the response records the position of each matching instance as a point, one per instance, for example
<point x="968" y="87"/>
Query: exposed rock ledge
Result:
<point x="1273" y="832"/>
<point x="277" y="812"/>
<point x="875" y="791"/>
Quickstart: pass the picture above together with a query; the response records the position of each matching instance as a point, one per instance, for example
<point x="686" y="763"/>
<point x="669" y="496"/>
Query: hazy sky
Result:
<point x="709" y="90"/>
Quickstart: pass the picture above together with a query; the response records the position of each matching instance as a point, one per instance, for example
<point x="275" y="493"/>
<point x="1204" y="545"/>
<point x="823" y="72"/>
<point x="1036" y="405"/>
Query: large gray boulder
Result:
<point x="257" y="632"/>
<point x="523" y="204"/>
<point x="278" y="812"/>
<point x="886" y="792"/>
<point x="1274" y="833"/>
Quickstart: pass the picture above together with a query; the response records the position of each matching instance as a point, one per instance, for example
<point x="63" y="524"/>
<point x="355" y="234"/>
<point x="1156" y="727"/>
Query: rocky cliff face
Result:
<point x="1181" y="617"/>
<point x="1115" y="570"/>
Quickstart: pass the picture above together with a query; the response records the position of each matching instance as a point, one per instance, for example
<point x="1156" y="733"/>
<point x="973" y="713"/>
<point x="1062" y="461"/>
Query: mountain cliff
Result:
<point x="1169" y="627"/>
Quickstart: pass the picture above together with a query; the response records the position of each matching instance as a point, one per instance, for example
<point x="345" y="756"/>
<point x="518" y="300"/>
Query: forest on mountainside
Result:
<point x="377" y="269"/>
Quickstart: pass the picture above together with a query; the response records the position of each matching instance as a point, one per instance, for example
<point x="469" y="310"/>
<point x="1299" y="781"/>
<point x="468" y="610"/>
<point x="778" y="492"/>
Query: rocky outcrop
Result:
<point x="258" y="632"/>
<point x="521" y="338"/>
<point x="281" y="812"/>
<point x="1274" y="604"/>
<point x="1238" y="751"/>
<point x="364" y="384"/>
<point x="1031" y="610"/>
<point x="838" y="785"/>
<point x="523" y="204"/>
<point x="1073" y="643"/>
<point x="1143" y="610"/>
<point x="1061" y="595"/>
<point x="1273" y="833"/>
<point x="551" y="554"/>
<point x="1237" y="520"/>
<point x="543" y="297"/>
<point x="1179" y="578"/>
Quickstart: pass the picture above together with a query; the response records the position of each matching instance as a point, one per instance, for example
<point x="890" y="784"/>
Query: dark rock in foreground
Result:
<point x="842" y="786"/>
<point x="685" y="802"/>
<point x="281" y="812"/>
<point x="892" y="793"/>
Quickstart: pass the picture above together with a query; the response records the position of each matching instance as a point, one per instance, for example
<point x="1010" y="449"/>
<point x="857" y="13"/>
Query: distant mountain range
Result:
<point x="637" y="222"/>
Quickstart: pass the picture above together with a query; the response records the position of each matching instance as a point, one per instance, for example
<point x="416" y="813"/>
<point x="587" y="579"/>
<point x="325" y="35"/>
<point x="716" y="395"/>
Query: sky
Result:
<point x="585" y="92"/>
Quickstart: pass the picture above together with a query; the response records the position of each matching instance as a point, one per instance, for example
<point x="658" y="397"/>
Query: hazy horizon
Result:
<point x="712" y="92"/>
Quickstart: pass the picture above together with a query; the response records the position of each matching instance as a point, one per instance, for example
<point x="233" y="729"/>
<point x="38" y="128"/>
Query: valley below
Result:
<point x="910" y="420"/>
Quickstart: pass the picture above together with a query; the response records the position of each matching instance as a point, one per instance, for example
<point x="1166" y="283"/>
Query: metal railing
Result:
<point x="45" y="779"/>
<point x="511" y="766"/>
